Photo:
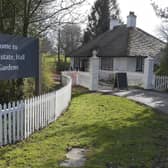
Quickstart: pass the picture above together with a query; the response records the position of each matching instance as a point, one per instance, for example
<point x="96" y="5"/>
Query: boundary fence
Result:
<point x="18" y="120"/>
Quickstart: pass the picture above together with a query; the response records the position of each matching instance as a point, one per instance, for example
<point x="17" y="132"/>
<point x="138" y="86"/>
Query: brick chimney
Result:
<point x="131" y="20"/>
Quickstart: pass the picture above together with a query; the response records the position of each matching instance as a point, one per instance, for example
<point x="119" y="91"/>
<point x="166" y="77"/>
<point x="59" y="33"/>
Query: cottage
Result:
<point x="123" y="48"/>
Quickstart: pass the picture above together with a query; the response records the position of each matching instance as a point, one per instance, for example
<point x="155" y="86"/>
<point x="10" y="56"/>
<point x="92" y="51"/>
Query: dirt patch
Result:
<point x="76" y="157"/>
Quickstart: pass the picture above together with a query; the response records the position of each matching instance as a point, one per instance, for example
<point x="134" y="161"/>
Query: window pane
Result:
<point x="139" y="64"/>
<point x="107" y="63"/>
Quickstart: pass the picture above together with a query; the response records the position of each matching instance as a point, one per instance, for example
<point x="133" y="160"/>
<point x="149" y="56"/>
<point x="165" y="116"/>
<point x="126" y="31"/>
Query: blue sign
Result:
<point x="18" y="57"/>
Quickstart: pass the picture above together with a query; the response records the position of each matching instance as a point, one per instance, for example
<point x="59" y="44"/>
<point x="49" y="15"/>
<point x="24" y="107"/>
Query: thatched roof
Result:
<point x="122" y="41"/>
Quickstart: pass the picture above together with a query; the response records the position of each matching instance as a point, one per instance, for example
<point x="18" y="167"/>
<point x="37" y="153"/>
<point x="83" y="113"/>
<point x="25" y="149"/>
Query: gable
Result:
<point x="141" y="43"/>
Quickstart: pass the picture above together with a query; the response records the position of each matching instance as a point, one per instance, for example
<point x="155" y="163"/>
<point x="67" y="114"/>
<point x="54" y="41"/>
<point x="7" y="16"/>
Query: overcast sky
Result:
<point x="146" y="18"/>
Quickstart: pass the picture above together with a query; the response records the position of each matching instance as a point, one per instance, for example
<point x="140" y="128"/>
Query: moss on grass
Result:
<point x="115" y="130"/>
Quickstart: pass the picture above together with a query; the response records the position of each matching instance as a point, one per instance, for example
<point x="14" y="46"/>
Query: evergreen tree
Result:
<point x="98" y="20"/>
<point x="163" y="14"/>
<point x="164" y="61"/>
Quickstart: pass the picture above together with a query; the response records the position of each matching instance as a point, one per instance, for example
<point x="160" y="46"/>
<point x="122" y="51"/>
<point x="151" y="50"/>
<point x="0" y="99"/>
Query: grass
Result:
<point x="115" y="130"/>
<point x="52" y="59"/>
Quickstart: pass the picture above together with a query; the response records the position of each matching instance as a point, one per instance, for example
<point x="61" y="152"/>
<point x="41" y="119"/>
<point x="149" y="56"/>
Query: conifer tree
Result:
<point x="98" y="20"/>
<point x="163" y="14"/>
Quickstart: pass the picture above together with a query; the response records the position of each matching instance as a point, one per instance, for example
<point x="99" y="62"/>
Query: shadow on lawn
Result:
<point x="142" y="144"/>
<point x="134" y="142"/>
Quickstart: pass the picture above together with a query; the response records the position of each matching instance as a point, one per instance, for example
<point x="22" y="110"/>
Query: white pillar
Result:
<point x="148" y="73"/>
<point x="94" y="72"/>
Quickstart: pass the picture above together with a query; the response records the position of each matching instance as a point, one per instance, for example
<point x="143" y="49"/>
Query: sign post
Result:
<point x="38" y="86"/>
<point x="19" y="58"/>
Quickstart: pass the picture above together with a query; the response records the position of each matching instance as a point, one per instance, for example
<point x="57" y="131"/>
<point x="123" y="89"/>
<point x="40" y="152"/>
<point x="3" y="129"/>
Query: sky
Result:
<point x="146" y="18"/>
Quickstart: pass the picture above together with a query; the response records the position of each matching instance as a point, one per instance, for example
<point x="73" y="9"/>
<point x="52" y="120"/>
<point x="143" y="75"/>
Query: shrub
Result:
<point x="48" y="83"/>
<point x="62" y="66"/>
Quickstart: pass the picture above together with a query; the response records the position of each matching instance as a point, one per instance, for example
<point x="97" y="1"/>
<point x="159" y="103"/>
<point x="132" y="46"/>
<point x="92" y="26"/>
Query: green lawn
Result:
<point x="115" y="130"/>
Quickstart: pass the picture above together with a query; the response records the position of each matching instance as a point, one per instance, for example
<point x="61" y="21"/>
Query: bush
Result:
<point x="29" y="87"/>
<point x="62" y="66"/>
<point x="48" y="82"/>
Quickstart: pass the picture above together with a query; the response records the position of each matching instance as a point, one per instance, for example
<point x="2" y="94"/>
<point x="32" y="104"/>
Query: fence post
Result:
<point x="148" y="73"/>
<point x="94" y="71"/>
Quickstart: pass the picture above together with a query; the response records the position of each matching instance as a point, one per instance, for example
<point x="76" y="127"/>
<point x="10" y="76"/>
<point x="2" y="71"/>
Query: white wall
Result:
<point x="131" y="64"/>
<point x="79" y="78"/>
<point x="120" y="64"/>
<point x="84" y="79"/>
<point x="105" y="75"/>
<point x="127" y="64"/>
<point x="134" y="78"/>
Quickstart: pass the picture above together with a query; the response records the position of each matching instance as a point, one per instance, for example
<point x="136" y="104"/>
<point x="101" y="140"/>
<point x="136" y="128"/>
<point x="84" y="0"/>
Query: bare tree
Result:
<point x="163" y="14"/>
<point x="48" y="13"/>
<point x="70" y="38"/>
<point x="34" y="16"/>
<point x="31" y="17"/>
<point x="163" y="32"/>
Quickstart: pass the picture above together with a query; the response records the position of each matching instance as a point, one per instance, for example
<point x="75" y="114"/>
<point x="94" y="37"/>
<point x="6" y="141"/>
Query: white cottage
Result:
<point x="123" y="48"/>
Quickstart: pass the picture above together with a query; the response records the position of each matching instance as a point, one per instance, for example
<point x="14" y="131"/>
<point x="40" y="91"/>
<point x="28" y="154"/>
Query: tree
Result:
<point x="98" y="20"/>
<point x="70" y="38"/>
<point x="163" y="14"/>
<point x="30" y="18"/>
<point x="164" y="61"/>
<point x="46" y="46"/>
<point x="163" y="32"/>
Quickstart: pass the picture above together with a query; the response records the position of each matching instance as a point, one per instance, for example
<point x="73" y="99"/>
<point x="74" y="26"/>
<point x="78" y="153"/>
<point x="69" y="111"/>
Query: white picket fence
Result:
<point x="161" y="82"/>
<point x="19" y="120"/>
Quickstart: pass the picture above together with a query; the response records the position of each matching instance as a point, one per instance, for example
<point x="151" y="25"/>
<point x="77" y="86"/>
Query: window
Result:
<point x="84" y="65"/>
<point x="139" y="64"/>
<point x="107" y="63"/>
<point x="76" y="63"/>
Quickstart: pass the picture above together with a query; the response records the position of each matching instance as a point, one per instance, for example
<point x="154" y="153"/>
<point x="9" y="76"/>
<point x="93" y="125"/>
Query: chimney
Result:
<point x="114" y="22"/>
<point x="131" y="20"/>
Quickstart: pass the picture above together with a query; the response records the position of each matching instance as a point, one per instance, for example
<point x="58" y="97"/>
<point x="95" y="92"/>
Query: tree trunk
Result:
<point x="59" y="47"/>
<point x="25" y="20"/>
<point x="1" y="16"/>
